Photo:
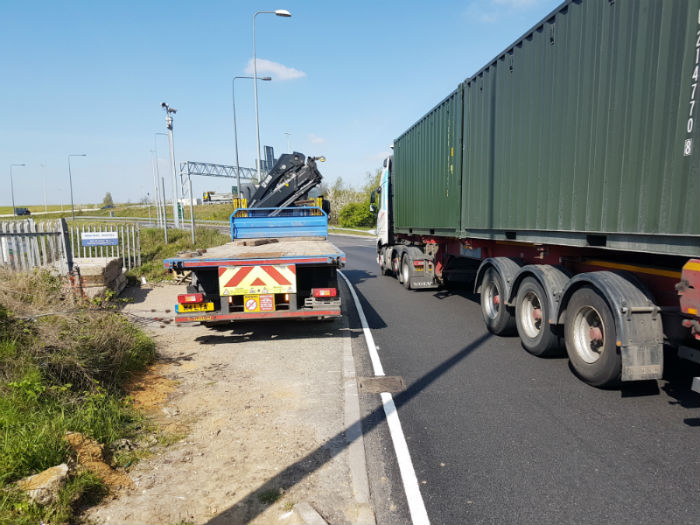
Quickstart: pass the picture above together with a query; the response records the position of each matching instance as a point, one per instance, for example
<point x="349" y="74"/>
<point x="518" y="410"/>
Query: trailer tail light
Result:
<point x="418" y="263"/>
<point x="190" y="298"/>
<point x="324" y="292"/>
<point x="689" y="291"/>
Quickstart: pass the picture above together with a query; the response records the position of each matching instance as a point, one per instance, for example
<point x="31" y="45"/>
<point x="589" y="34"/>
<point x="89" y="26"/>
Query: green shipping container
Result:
<point x="427" y="171"/>
<point x="585" y="132"/>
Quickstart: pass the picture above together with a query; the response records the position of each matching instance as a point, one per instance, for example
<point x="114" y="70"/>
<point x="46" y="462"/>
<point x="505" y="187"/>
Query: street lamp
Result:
<point x="12" y="188"/>
<point x="70" y="180"/>
<point x="288" y="135"/>
<point x="278" y="12"/>
<point x="169" y="124"/>
<point x="235" y="131"/>
<point x="160" y="178"/>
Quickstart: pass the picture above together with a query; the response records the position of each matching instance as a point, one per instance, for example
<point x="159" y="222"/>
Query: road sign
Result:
<point x="99" y="238"/>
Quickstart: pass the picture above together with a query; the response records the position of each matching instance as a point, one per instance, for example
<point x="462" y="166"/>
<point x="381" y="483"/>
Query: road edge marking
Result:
<point x="414" y="498"/>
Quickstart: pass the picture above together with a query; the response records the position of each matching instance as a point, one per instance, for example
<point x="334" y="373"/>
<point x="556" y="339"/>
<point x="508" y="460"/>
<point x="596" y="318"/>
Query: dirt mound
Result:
<point x="90" y="456"/>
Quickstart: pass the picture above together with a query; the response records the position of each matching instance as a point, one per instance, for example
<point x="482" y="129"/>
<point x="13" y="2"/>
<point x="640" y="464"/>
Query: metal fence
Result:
<point x="128" y="246"/>
<point x="27" y="244"/>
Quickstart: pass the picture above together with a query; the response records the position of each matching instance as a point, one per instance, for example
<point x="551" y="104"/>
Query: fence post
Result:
<point x="138" y="238"/>
<point x="67" y="249"/>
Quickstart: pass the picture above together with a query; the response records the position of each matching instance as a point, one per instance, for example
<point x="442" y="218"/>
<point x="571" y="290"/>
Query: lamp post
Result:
<point x="70" y="180"/>
<point x="278" y="12"/>
<point x="12" y="188"/>
<point x="169" y="124"/>
<point x="288" y="135"/>
<point x="159" y="177"/>
<point x="235" y="130"/>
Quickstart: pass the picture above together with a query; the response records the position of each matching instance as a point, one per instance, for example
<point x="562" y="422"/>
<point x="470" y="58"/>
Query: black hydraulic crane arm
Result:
<point x="288" y="180"/>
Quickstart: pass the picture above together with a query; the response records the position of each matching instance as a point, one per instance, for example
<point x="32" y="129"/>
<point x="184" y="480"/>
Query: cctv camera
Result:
<point x="163" y="105"/>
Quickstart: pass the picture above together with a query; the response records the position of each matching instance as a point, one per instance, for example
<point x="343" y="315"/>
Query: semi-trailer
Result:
<point x="563" y="177"/>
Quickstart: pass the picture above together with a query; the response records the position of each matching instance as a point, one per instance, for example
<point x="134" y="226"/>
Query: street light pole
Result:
<point x="288" y="135"/>
<point x="278" y="12"/>
<point x="235" y="129"/>
<point x="156" y="198"/>
<point x="169" y="124"/>
<point x="12" y="188"/>
<point x="70" y="180"/>
<point x="163" y="199"/>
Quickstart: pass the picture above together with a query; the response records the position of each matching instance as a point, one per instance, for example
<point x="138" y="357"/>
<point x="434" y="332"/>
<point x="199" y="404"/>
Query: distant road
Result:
<point x="499" y="436"/>
<point x="34" y="214"/>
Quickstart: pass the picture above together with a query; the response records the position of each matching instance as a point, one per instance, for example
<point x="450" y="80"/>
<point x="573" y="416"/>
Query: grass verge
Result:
<point x="59" y="372"/>
<point x="154" y="249"/>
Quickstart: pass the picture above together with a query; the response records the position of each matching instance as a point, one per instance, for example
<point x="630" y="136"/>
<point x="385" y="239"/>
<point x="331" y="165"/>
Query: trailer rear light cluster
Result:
<point x="190" y="298"/>
<point x="324" y="292"/>
<point x="418" y="263"/>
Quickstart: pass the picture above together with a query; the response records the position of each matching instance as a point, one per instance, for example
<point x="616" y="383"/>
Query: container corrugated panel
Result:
<point x="426" y="171"/>
<point x="590" y="124"/>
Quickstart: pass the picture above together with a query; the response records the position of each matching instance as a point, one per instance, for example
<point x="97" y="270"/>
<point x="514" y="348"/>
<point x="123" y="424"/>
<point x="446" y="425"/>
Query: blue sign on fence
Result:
<point x="99" y="238"/>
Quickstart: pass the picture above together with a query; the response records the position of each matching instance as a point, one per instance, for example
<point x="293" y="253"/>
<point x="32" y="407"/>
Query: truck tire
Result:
<point x="532" y="319"/>
<point x="406" y="272"/>
<point x="497" y="316"/>
<point x="396" y="267"/>
<point x="590" y="335"/>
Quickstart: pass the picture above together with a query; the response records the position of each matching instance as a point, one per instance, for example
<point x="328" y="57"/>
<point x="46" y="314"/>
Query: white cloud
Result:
<point x="316" y="140"/>
<point x="275" y="70"/>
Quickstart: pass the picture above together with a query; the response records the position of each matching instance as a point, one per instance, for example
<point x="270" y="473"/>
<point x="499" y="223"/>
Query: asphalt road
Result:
<point x="499" y="436"/>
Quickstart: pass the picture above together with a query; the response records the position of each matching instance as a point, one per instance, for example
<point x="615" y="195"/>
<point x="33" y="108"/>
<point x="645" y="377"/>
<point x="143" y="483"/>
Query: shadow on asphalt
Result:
<point x="374" y="320"/>
<point x="247" y="507"/>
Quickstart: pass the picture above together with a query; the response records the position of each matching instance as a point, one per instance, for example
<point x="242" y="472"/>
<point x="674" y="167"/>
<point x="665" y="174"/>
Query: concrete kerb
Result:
<point x="354" y="436"/>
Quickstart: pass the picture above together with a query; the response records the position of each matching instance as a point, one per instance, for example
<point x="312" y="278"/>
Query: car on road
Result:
<point x="22" y="211"/>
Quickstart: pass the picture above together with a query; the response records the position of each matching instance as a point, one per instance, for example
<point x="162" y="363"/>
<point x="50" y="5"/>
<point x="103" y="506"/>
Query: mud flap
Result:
<point x="641" y="362"/>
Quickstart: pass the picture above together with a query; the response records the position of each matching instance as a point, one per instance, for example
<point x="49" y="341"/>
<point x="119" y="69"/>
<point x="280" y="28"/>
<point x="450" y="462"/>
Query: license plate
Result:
<point x="202" y="307"/>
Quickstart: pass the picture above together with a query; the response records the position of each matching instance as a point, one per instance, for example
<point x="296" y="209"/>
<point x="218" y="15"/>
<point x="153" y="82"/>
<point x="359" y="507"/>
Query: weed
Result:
<point x="288" y="506"/>
<point x="79" y="491"/>
<point x="58" y="373"/>
<point x="268" y="497"/>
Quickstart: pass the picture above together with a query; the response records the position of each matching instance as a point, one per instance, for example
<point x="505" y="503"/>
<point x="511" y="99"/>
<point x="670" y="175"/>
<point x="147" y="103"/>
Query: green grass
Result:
<point x="154" y="249"/>
<point x="80" y="490"/>
<point x="59" y="373"/>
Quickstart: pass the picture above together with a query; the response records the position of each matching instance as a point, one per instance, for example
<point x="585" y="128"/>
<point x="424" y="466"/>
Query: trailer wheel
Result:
<point x="497" y="316"/>
<point x="591" y="336"/>
<point x="405" y="272"/>
<point x="532" y="319"/>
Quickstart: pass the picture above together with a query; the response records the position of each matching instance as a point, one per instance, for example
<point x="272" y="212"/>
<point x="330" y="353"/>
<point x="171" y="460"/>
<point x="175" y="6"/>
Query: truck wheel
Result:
<point x="383" y="269"/>
<point x="395" y="266"/>
<point x="532" y="319"/>
<point x="498" y="318"/>
<point x="590" y="337"/>
<point x="405" y="273"/>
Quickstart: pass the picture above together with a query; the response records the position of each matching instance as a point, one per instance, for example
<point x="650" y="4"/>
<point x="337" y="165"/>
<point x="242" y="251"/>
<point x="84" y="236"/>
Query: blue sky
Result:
<point x="348" y="78"/>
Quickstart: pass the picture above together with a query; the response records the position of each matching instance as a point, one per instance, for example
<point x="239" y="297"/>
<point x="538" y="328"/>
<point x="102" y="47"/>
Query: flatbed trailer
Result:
<point x="276" y="267"/>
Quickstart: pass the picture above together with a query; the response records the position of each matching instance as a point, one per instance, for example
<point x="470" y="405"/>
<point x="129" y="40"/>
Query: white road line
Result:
<point x="373" y="355"/>
<point x="416" y="506"/>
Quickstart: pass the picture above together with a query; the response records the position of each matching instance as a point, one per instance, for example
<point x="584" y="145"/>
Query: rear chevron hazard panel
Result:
<point x="249" y="280"/>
